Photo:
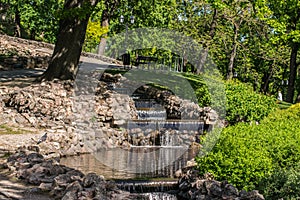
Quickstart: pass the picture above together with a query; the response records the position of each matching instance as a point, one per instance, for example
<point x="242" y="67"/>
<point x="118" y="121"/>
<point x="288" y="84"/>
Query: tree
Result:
<point x="36" y="19"/>
<point x="199" y="20"/>
<point x="107" y="13"/>
<point x="13" y="9"/>
<point x="284" y="19"/>
<point x="72" y="28"/>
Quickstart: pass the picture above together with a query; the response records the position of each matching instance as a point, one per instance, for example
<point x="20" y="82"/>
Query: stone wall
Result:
<point x="19" y="53"/>
<point x="39" y="108"/>
<point x="85" y="122"/>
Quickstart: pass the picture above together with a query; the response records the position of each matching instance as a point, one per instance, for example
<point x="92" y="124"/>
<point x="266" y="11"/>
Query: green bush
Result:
<point x="245" y="105"/>
<point x="245" y="153"/>
<point x="237" y="157"/>
<point x="242" y="103"/>
<point x="282" y="184"/>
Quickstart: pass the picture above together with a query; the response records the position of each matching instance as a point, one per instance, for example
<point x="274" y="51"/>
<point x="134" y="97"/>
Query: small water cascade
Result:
<point x="147" y="186"/>
<point x="159" y="147"/>
<point x="160" y="196"/>
<point x="154" y="129"/>
<point x="152" y="190"/>
<point x="151" y="114"/>
<point x="150" y="110"/>
<point x="167" y="133"/>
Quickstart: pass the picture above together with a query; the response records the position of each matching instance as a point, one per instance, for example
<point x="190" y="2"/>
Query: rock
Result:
<point x="72" y="190"/>
<point x="91" y="179"/>
<point x="75" y="175"/>
<point x="252" y="195"/>
<point x="45" y="186"/>
<point x="35" y="158"/>
<point x="192" y="187"/>
<point x="62" y="180"/>
<point x="230" y="190"/>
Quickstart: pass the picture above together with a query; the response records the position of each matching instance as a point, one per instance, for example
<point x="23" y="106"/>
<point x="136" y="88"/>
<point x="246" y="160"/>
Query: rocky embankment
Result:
<point x="82" y="123"/>
<point x="194" y="187"/>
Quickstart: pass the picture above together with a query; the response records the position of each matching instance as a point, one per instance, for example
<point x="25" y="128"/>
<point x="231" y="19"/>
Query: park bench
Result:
<point x="145" y="60"/>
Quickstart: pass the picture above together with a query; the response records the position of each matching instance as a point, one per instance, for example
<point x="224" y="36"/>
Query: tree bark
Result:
<point x="266" y="80"/>
<point x="17" y="23"/>
<point x="72" y="28"/>
<point x="111" y="6"/>
<point x="293" y="73"/>
<point x="104" y="24"/>
<point x="233" y="53"/>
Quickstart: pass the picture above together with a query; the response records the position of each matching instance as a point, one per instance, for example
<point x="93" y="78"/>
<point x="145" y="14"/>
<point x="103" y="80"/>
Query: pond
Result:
<point x="134" y="163"/>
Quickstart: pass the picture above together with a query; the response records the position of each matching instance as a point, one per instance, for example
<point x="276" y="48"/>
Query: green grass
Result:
<point x="284" y="105"/>
<point x="6" y="130"/>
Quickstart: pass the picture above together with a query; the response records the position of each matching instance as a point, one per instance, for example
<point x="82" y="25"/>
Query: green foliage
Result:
<point x="242" y="103"/>
<point x="199" y="86"/>
<point x="245" y="105"/>
<point x="237" y="158"/>
<point x="38" y="18"/>
<point x="282" y="184"/>
<point x="246" y="154"/>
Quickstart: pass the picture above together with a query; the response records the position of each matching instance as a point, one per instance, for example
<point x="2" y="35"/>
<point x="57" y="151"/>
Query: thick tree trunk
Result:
<point x="212" y="31"/>
<point x="293" y="73"/>
<point x="233" y="53"/>
<point x="68" y="47"/>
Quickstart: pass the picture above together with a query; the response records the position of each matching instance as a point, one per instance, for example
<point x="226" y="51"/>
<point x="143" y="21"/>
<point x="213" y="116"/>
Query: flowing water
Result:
<point x="160" y="196"/>
<point x="163" y="150"/>
<point x="135" y="163"/>
<point x="156" y="166"/>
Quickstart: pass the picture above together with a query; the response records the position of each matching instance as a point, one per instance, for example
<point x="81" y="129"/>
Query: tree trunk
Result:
<point x="211" y="34"/>
<point x="233" y="53"/>
<point x="65" y="58"/>
<point x="293" y="73"/>
<point x="110" y="7"/>
<point x="266" y="80"/>
<point x="104" y="24"/>
<point x="17" y="23"/>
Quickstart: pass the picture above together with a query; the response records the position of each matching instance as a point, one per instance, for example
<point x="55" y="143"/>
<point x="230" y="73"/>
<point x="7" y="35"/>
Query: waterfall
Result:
<point x="160" y="196"/>
<point x="152" y="190"/>
<point x="152" y="114"/>
<point x="165" y="133"/>
<point x="135" y="186"/>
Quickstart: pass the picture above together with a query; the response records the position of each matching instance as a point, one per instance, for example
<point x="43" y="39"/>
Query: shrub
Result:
<point x="242" y="103"/>
<point x="245" y="154"/>
<point x="245" y="105"/>
<point x="282" y="184"/>
<point x="237" y="157"/>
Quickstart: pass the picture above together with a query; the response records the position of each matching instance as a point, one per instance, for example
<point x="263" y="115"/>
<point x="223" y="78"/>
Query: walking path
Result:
<point x="25" y="77"/>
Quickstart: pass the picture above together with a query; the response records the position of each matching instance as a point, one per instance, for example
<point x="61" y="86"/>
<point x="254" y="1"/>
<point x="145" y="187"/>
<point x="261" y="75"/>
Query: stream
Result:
<point x="149" y="171"/>
<point x="148" y="167"/>
<point x="135" y="163"/>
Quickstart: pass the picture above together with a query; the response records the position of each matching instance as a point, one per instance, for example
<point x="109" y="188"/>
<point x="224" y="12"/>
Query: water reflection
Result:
<point x="139" y="162"/>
